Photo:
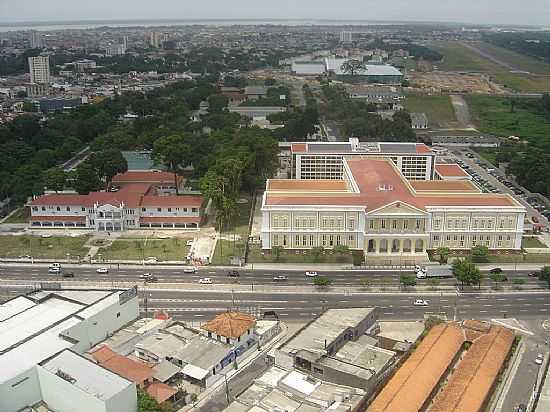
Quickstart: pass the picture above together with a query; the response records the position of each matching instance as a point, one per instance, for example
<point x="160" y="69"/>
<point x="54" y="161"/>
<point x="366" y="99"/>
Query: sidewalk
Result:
<point x="272" y="289"/>
<point x="204" y="396"/>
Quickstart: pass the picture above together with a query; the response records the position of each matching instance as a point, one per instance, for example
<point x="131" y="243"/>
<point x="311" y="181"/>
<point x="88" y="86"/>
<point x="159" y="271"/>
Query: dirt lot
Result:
<point x="447" y="82"/>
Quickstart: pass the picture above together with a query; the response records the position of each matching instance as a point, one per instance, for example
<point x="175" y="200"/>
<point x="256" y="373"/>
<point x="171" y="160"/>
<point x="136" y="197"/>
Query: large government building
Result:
<point x="371" y="205"/>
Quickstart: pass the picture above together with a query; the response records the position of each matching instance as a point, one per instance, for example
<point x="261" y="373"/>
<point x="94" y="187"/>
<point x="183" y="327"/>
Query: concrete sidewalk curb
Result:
<point x="204" y="396"/>
<point x="503" y="389"/>
<point x="295" y="290"/>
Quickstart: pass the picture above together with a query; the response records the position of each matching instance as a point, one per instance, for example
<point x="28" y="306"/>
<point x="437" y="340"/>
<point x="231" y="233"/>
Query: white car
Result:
<point x="310" y="274"/>
<point x="539" y="359"/>
<point x="420" y="302"/>
<point x="55" y="265"/>
<point x="421" y="275"/>
<point x="145" y="275"/>
<point x="102" y="270"/>
<point x="191" y="269"/>
<point x="205" y="281"/>
<point x="189" y="242"/>
<point x="152" y="259"/>
<point x="54" y="271"/>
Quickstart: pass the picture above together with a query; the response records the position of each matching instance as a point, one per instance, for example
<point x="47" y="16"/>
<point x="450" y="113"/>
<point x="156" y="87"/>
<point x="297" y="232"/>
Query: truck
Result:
<point x="441" y="271"/>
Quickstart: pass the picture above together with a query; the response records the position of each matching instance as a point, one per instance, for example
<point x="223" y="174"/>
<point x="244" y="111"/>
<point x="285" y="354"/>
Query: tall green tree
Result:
<point x="353" y="66"/>
<point x="442" y="253"/>
<point x="544" y="275"/>
<point x="55" y="179"/>
<point x="86" y="179"/>
<point x="466" y="272"/>
<point x="217" y="103"/>
<point x="107" y="164"/>
<point x="480" y="253"/>
<point x="174" y="152"/>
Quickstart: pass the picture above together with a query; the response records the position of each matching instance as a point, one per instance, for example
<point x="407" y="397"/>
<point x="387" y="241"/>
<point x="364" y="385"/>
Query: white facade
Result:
<point x="39" y="69"/>
<point x="325" y="214"/>
<point x="84" y="386"/>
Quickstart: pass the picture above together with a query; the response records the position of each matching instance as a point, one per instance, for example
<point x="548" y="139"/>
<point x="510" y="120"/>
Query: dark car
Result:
<point x="533" y="275"/>
<point x="233" y="274"/>
<point x="68" y="274"/>
<point x="270" y="314"/>
<point x="496" y="270"/>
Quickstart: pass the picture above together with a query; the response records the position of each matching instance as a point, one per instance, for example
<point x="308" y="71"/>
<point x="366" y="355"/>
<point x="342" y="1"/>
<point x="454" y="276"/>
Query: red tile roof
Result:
<point x="130" y="369"/>
<point x="58" y="219"/>
<point x="422" y="148"/>
<point x="144" y="177"/>
<point x="380" y="183"/>
<point x="298" y="147"/>
<point x="450" y="170"/>
<point x="444" y="186"/>
<point x="132" y="195"/>
<point x="230" y="324"/>
<point x="65" y="200"/>
<point x="160" y="391"/>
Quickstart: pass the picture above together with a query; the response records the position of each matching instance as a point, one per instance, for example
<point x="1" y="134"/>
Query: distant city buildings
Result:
<point x="39" y="69"/>
<point x="346" y="37"/>
<point x="115" y="50"/>
<point x="155" y="39"/>
<point x="35" y="40"/>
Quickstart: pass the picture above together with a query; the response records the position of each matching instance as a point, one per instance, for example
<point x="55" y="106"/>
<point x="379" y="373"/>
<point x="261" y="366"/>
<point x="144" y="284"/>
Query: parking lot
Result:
<point x="494" y="180"/>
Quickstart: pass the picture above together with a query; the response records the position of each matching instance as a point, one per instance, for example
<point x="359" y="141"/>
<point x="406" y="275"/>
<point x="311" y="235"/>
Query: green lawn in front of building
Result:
<point x="532" y="242"/>
<point x="21" y="215"/>
<point x="438" y="108"/>
<point x="255" y="255"/>
<point x="139" y="249"/>
<point x="230" y="246"/>
<point x="55" y="247"/>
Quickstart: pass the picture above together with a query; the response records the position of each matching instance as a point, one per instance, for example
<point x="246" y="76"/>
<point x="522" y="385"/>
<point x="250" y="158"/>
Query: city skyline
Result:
<point x="468" y="11"/>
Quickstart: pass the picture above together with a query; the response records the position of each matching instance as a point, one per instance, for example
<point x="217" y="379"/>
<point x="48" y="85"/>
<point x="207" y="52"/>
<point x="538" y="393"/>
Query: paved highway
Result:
<point x="193" y="305"/>
<point x="219" y="276"/>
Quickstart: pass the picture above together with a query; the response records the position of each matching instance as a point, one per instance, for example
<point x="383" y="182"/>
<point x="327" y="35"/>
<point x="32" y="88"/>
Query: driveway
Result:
<point x="461" y="111"/>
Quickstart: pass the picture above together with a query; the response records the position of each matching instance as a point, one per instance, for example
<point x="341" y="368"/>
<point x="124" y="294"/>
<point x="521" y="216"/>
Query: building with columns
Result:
<point x="136" y="200"/>
<point x="374" y="208"/>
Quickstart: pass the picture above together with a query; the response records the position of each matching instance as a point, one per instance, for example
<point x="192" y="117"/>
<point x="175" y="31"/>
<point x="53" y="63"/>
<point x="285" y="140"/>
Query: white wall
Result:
<point x="96" y="328"/>
<point x="63" y="396"/>
<point x="124" y="401"/>
<point x="25" y="392"/>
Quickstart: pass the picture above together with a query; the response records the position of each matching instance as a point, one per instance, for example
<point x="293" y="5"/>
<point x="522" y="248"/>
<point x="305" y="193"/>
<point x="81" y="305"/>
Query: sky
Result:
<point x="517" y="12"/>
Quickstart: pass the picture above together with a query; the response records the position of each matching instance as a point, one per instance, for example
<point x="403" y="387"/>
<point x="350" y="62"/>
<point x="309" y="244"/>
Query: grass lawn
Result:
<point x="487" y="154"/>
<point x="21" y="215"/>
<point x="493" y="115"/>
<point x="55" y="247"/>
<point x="226" y="249"/>
<point x="255" y="256"/>
<point x="162" y="249"/>
<point x="460" y="58"/>
<point x="438" y="108"/>
<point x="533" y="242"/>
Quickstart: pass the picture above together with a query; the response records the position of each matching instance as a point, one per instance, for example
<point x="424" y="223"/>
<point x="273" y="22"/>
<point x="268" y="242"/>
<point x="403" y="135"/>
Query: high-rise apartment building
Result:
<point x="35" y="39"/>
<point x="346" y="37"/>
<point x="155" y="39"/>
<point x="39" y="69"/>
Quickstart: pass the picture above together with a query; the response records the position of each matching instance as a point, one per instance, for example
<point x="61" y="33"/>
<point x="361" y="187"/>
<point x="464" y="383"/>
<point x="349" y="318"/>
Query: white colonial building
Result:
<point x="374" y="208"/>
<point x="141" y="200"/>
